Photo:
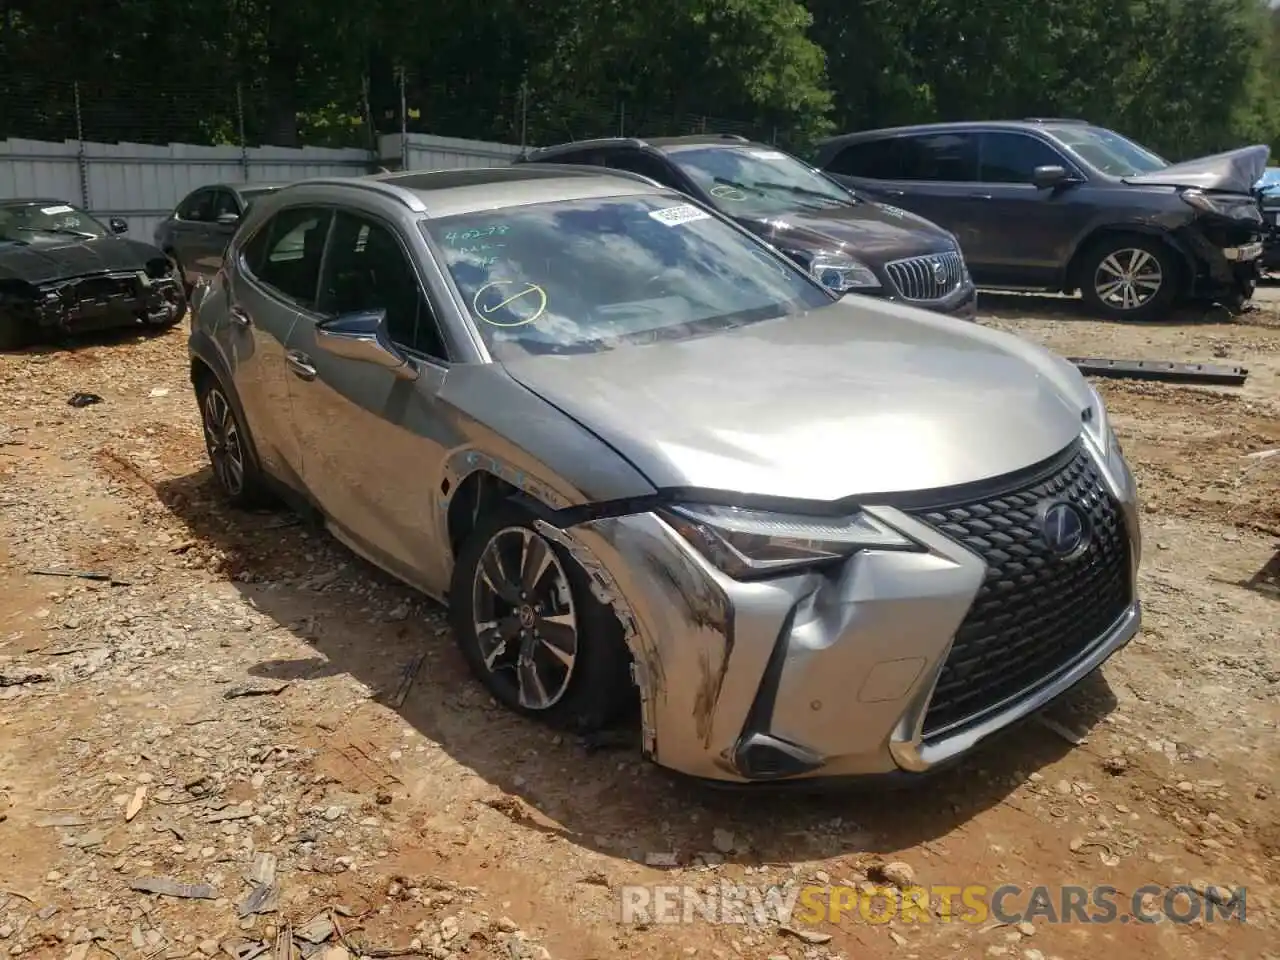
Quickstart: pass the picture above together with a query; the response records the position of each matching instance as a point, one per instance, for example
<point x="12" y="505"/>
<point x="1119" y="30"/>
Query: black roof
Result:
<point x="958" y="126"/>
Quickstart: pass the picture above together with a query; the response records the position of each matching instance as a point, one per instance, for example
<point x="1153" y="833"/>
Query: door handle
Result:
<point x="301" y="365"/>
<point x="979" y="196"/>
<point x="240" y="318"/>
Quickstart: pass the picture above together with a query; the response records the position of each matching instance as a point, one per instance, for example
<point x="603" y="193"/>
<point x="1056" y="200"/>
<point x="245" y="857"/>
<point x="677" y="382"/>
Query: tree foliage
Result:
<point x="1184" y="76"/>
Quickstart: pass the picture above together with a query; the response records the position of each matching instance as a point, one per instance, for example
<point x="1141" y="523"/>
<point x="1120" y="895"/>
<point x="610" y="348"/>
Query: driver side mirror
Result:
<point x="118" y="225"/>
<point x="228" y="219"/>
<point x="363" y="336"/>
<point x="1049" y="177"/>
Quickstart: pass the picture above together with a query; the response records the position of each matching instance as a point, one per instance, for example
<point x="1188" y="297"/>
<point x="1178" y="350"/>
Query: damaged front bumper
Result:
<point x="105" y="301"/>
<point x="892" y="663"/>
<point x="1226" y="258"/>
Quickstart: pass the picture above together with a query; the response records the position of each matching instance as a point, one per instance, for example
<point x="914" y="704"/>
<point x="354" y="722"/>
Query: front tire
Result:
<point x="1129" y="278"/>
<point x="227" y="442"/>
<point x="530" y="629"/>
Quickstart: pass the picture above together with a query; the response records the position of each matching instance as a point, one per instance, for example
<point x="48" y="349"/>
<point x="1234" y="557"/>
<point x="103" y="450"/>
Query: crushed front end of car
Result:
<point x="888" y="642"/>
<point x="51" y="308"/>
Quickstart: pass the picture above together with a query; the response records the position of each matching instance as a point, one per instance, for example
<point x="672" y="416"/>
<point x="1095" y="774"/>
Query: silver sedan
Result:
<point x="651" y="464"/>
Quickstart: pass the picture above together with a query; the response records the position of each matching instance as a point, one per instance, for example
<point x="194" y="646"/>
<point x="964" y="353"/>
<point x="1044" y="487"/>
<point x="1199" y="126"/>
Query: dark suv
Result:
<point x="847" y="242"/>
<point x="1064" y="205"/>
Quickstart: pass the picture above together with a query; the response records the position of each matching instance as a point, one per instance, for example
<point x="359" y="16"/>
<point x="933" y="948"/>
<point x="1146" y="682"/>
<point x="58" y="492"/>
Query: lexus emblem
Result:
<point x="939" y="272"/>
<point x="1064" y="529"/>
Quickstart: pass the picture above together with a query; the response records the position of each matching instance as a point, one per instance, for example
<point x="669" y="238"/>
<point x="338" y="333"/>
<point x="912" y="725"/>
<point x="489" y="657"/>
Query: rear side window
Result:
<point x="944" y="157"/>
<point x="1013" y="157"/>
<point x="197" y="207"/>
<point x="875" y="159"/>
<point x="286" y="252"/>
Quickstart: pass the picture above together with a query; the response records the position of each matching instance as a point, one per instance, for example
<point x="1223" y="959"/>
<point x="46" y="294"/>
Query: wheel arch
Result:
<point x="201" y="371"/>
<point x="1186" y="262"/>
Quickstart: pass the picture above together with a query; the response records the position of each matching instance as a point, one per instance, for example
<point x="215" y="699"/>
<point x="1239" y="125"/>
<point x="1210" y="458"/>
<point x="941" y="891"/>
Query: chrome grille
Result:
<point x="930" y="277"/>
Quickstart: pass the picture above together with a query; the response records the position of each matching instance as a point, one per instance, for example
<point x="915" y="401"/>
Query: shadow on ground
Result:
<point x="1009" y="305"/>
<point x="606" y="799"/>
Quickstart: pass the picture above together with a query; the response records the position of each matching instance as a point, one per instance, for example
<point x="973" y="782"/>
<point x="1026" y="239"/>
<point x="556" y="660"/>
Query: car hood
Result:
<point x="870" y="231"/>
<point x="1235" y="171"/>
<point x="862" y="397"/>
<point x="44" y="261"/>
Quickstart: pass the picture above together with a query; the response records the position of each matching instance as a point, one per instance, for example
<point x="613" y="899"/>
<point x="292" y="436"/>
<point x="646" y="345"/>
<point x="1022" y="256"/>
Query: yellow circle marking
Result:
<point x="532" y="290"/>
<point x="725" y="192"/>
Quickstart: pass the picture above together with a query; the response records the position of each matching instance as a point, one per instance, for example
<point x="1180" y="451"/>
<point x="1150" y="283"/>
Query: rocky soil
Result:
<point x="222" y="734"/>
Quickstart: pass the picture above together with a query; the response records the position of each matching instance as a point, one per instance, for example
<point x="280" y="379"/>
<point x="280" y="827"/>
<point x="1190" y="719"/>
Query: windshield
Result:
<point x="756" y="182"/>
<point x="22" y="222"/>
<point x="583" y="276"/>
<point x="1109" y="152"/>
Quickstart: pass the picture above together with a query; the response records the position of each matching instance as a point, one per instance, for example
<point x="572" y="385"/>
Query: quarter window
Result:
<point x="367" y="269"/>
<point x="1013" y="157"/>
<point x="944" y="157"/>
<point x="198" y="207"/>
<point x="285" y="253"/>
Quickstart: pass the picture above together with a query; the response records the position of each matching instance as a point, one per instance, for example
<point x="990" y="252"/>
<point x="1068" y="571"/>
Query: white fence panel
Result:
<point x="427" y="152"/>
<point x="144" y="182"/>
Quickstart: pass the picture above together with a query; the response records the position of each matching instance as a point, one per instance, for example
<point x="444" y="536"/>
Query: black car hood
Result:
<point x="1235" y="171"/>
<point x="873" y="232"/>
<point x="44" y="260"/>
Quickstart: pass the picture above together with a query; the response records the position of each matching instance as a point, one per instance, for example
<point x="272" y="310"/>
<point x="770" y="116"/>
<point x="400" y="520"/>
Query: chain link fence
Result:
<point x="247" y="113"/>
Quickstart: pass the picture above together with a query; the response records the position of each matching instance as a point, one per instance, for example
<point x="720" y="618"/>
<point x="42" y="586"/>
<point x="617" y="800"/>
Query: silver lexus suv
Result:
<point x="646" y="459"/>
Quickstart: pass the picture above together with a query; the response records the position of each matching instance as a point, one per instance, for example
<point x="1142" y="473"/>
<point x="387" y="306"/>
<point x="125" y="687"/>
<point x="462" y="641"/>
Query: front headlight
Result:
<point x="1202" y="201"/>
<point x="836" y="271"/>
<point x="754" y="543"/>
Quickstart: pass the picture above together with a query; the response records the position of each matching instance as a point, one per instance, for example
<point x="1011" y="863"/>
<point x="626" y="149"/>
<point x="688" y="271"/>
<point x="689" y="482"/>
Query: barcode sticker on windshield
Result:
<point x="61" y="208"/>
<point x="685" y="213"/>
<point x="767" y="154"/>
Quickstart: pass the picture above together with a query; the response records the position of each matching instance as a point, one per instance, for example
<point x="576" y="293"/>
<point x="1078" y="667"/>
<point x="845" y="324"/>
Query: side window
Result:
<point x="286" y="252"/>
<point x="946" y="157"/>
<point x="643" y="164"/>
<point x="368" y="269"/>
<point x="198" y="207"/>
<point x="874" y="159"/>
<point x="1013" y="157"/>
<point x="225" y="202"/>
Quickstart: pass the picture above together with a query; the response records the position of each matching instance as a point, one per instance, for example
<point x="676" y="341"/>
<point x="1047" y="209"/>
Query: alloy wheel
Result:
<point x="1128" y="279"/>
<point x="523" y="612"/>
<point x="222" y="438"/>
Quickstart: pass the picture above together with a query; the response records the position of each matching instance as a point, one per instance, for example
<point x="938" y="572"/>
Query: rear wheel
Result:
<point x="531" y="631"/>
<point x="1129" y="278"/>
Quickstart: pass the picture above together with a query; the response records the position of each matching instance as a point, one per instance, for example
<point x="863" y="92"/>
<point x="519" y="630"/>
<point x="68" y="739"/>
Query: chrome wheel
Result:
<point x="525" y="623"/>
<point x="1128" y="279"/>
<point x="222" y="438"/>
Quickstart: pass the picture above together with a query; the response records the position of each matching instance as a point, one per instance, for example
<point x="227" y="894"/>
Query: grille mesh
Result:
<point x="1035" y="613"/>
<point x="927" y="278"/>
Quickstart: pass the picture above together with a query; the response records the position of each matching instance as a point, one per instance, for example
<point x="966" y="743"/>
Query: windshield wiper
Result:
<point x="805" y="192"/>
<point x="65" y="231"/>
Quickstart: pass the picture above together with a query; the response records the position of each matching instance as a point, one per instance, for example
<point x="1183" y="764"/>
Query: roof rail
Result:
<point x="736" y="137"/>
<point x="370" y="182"/>
<point x="635" y="142"/>
<point x="1054" y="120"/>
<point x="587" y="170"/>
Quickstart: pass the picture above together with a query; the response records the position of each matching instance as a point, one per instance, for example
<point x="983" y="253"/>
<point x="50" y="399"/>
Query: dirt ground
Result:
<point x="216" y="749"/>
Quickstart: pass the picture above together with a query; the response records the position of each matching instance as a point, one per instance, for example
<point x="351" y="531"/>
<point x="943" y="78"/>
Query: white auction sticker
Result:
<point x="63" y="208"/>
<point x="685" y="213"/>
<point x="767" y="154"/>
